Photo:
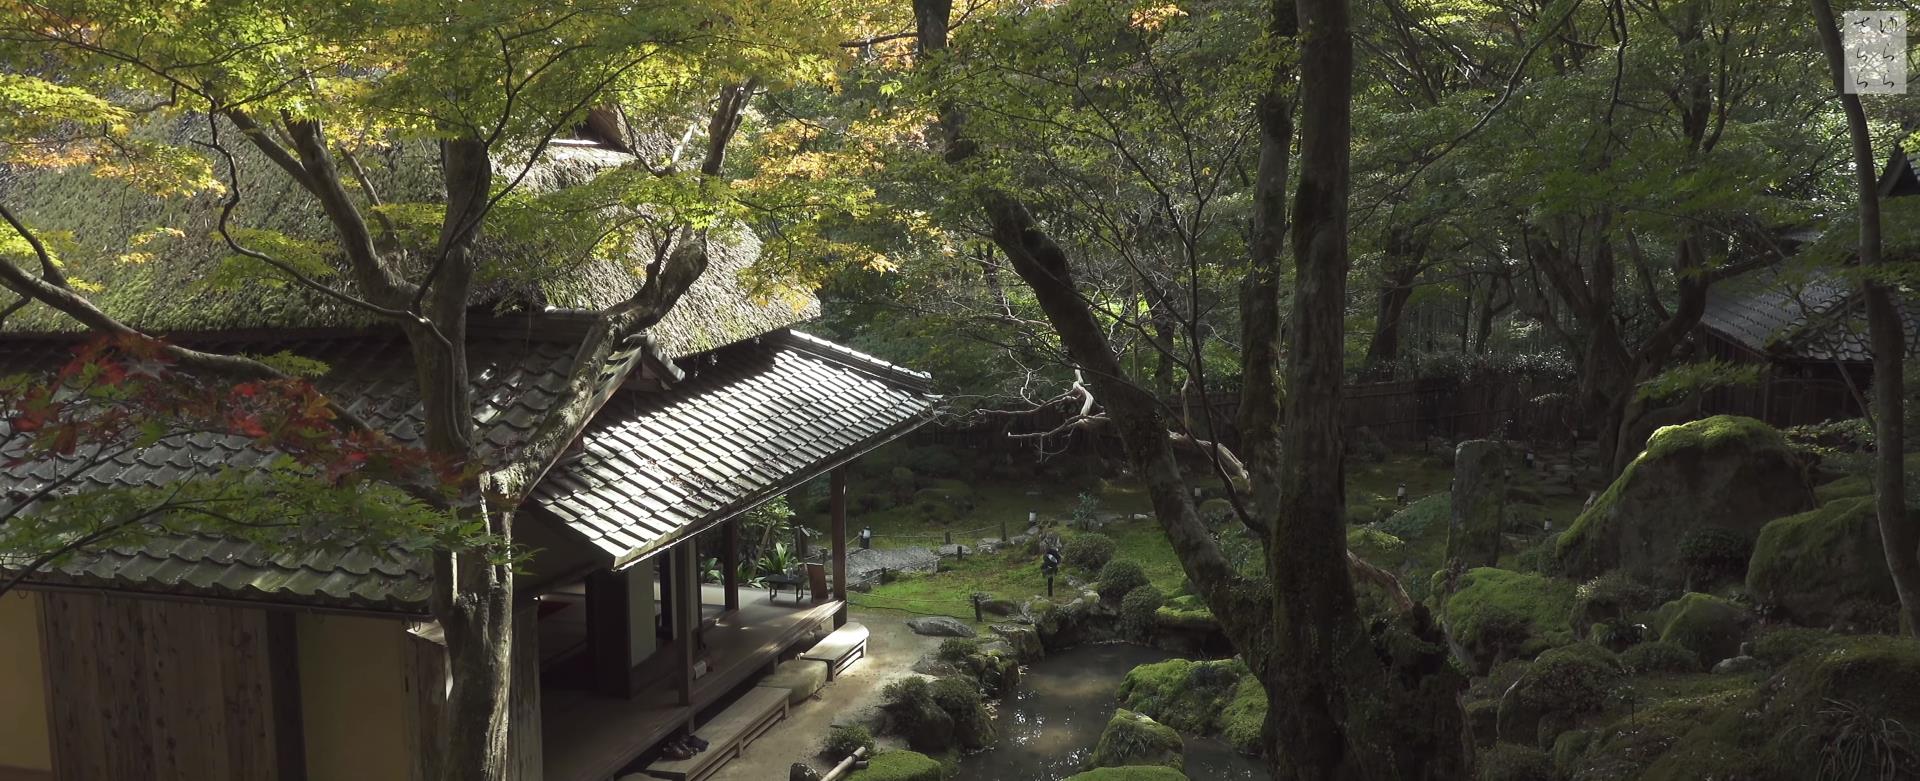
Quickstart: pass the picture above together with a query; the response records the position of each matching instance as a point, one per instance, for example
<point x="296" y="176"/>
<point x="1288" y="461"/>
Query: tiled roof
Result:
<point x="758" y="418"/>
<point x="1810" y="315"/>
<point x="749" y="420"/>
<point x="372" y="375"/>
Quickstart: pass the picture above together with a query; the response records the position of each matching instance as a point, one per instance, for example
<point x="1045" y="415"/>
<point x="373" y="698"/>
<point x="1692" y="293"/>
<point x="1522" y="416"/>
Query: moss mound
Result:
<point x="1508" y="762"/>
<point x="1660" y="657"/>
<point x="1189" y="696"/>
<point x="900" y="766"/>
<point x="1130" y="773"/>
<point x="1134" y="739"/>
<point x="1724" y="472"/>
<point x="1498" y="614"/>
<point x="1185" y="613"/>
<point x="1704" y="624"/>
<point x="1817" y="566"/>
<point x="1783" y="645"/>
<point x="1558" y="690"/>
<point x="1623" y="749"/>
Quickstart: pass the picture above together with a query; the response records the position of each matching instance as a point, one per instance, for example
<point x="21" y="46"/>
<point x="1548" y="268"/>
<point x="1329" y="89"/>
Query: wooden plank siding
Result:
<point x="166" y="690"/>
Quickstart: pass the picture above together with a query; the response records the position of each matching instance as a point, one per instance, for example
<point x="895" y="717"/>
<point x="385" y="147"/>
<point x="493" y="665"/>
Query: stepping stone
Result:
<point x="800" y="677"/>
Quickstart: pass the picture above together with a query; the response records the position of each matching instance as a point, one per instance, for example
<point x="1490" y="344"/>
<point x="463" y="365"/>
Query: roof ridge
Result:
<point x="854" y="359"/>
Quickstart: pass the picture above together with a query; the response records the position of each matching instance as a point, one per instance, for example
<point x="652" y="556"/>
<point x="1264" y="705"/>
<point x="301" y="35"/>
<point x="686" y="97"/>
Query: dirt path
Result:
<point x="892" y="649"/>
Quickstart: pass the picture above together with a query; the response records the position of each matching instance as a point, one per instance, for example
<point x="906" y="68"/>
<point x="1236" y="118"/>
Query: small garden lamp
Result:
<point x="866" y="538"/>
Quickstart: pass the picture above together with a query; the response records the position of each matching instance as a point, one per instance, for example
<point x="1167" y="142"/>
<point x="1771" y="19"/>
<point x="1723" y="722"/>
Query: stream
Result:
<point x="1050" y="727"/>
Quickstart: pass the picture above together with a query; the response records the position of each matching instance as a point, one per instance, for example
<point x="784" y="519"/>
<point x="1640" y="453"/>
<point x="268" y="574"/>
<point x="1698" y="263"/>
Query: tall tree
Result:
<point x="1886" y="330"/>
<point x="1297" y="623"/>
<point x="220" y="97"/>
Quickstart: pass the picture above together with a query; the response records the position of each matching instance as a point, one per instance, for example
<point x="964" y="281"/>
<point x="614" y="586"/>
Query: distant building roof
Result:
<point x="1801" y="315"/>
<point x="654" y="466"/>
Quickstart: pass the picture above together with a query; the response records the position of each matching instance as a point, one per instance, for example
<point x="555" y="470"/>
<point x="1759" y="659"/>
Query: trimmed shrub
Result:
<point x="1089" y="552"/>
<point x="1509" y="762"/>
<point x="1611" y="598"/>
<point x="1704" y="624"/>
<point x="1712" y="555"/>
<point x="843" y="740"/>
<point x="1557" y="690"/>
<point x="1120" y="577"/>
<point x="1660" y="657"/>
<point x="1137" y="609"/>
<point x="964" y="702"/>
<point x="955" y="650"/>
<point x="1429" y="514"/>
<point x="913" y="714"/>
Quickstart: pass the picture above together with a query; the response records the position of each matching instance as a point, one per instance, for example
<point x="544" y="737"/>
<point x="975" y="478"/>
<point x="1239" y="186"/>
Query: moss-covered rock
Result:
<point x="1611" y="600"/>
<point x="913" y="714"/>
<point x="1781" y="645"/>
<point x="900" y="766"/>
<point x="1704" y="624"/>
<point x="1186" y="627"/>
<point x="1509" y="762"/>
<point x="1186" y="695"/>
<point x="1245" y="716"/>
<point x="1130" y="773"/>
<point x="1815" y="566"/>
<point x="1559" y="689"/>
<point x="1624" y="748"/>
<point x="1134" y="739"/>
<point x="1724" y="472"/>
<point x="1498" y="614"/>
<point x="1848" y="684"/>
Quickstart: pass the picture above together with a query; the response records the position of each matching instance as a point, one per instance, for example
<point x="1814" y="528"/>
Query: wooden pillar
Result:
<point x="686" y="616"/>
<point x="730" y="562"/>
<point x="837" y="504"/>
<point x="525" y="741"/>
<point x="609" y="609"/>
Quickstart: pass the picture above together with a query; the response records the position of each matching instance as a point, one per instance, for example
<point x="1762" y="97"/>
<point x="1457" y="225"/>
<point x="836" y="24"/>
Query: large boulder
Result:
<point x="1023" y="639"/>
<point x="1498" y="614"/>
<point x="1709" y="626"/>
<point x="1559" y="689"/>
<point x="1822" y="566"/>
<point x="939" y="626"/>
<point x="1214" y="698"/>
<point x="1724" y="473"/>
<point x="1479" y="492"/>
<point x="1133" y="739"/>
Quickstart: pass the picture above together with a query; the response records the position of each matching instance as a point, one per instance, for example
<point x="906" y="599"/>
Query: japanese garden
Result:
<point x="995" y="390"/>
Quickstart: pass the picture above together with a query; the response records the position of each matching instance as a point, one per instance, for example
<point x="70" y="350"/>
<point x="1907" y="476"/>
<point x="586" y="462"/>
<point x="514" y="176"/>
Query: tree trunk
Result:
<point x="1335" y="713"/>
<point x="1316" y="625"/>
<point x="1897" y="533"/>
<point x="1405" y="258"/>
<point x="473" y="598"/>
<point x="1260" y="322"/>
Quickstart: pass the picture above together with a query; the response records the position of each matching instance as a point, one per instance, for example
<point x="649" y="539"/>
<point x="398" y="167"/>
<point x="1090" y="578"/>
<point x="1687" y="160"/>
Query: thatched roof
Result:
<point x="105" y="234"/>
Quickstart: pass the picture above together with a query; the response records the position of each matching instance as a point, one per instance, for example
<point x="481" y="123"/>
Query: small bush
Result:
<point x="1510" y="762"/>
<point x="901" y="766"/>
<point x="1711" y="555"/>
<point x="1417" y="519"/>
<point x="955" y="650"/>
<point x="1785" y="644"/>
<point x="1120" y="577"/>
<point x="842" y="741"/>
<point x="1657" y="657"/>
<point x="1137" y="609"/>
<point x="1088" y="552"/>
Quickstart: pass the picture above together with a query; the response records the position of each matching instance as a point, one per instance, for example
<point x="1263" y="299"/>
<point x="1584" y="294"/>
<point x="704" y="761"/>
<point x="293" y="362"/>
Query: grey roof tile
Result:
<point x="1798" y="314"/>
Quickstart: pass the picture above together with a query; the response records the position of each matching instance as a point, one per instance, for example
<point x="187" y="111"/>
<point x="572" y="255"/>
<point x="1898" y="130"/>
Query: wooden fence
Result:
<point x="1404" y="410"/>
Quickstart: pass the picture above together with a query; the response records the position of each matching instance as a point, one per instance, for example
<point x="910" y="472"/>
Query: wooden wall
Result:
<point x="170" y="691"/>
<point x="24" y="751"/>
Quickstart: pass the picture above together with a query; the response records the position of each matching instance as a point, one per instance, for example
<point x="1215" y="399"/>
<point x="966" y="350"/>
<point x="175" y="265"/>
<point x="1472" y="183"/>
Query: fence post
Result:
<point x="976" y="609"/>
<point x="949" y="537"/>
<point x="1003" y="530"/>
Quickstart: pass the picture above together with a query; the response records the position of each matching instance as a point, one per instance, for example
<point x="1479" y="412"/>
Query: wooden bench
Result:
<point x="840" y="650"/>
<point x="727" y="735"/>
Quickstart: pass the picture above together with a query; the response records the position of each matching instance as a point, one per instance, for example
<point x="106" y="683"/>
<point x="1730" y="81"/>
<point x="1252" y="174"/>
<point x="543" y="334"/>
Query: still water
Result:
<point x="1064" y="701"/>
